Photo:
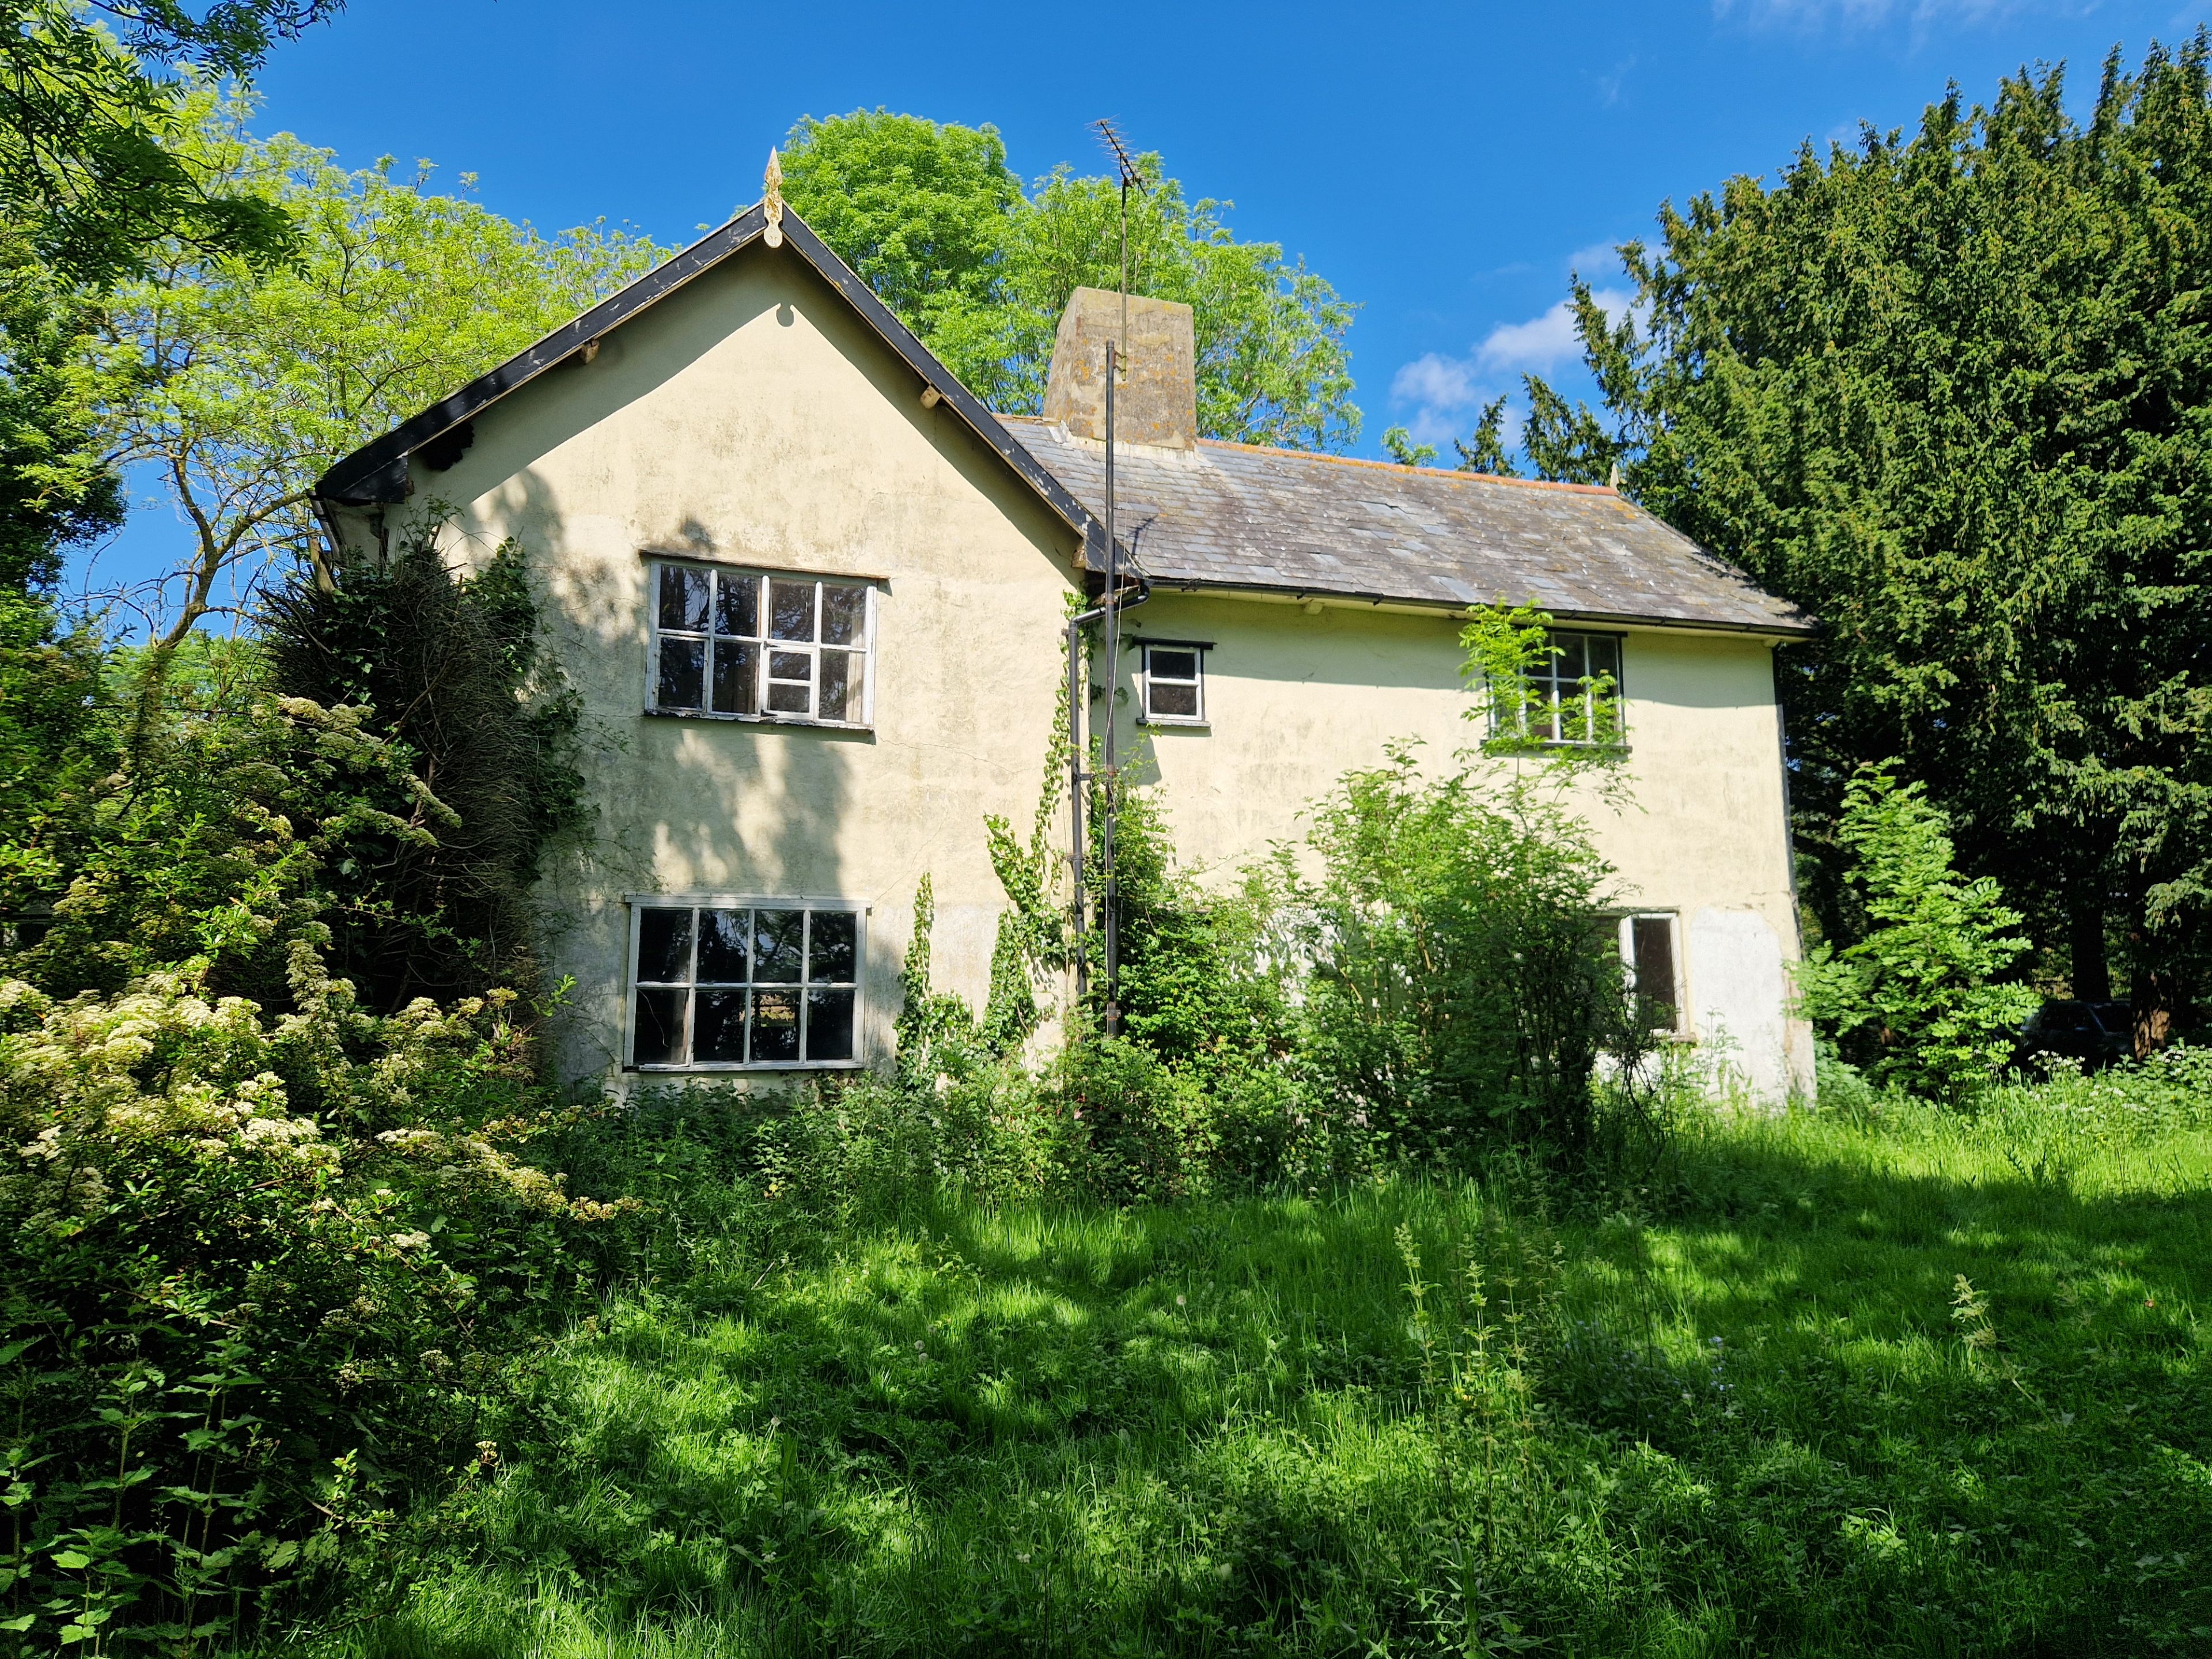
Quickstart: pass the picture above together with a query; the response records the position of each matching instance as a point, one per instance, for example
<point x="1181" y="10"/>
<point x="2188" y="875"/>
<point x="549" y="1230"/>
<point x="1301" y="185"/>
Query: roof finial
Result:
<point x="1613" y="482"/>
<point x="772" y="200"/>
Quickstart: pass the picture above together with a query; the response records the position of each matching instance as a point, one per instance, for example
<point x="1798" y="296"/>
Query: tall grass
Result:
<point x="1908" y="1384"/>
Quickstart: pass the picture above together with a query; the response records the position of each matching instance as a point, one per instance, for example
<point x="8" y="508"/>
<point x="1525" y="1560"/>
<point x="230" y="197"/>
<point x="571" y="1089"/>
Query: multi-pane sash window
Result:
<point x="774" y="985"/>
<point x="1572" y="696"/>
<point x="744" y="643"/>
<point x="1175" y="683"/>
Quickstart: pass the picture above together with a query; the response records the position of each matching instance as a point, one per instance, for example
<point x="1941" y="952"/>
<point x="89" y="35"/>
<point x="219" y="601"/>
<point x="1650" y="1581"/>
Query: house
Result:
<point x="814" y="595"/>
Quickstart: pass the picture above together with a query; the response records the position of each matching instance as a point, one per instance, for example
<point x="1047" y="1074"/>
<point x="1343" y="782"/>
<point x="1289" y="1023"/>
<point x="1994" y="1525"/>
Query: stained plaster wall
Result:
<point x="753" y="418"/>
<point x="1294" y="700"/>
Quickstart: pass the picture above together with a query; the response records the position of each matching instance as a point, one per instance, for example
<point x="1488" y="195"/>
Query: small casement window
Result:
<point x="1175" y="684"/>
<point x="1651" y="964"/>
<point x="751" y="645"/>
<point x="774" y="983"/>
<point x="1572" y="696"/>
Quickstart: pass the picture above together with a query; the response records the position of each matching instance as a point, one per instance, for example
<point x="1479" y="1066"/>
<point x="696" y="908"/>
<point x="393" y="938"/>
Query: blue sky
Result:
<point x="1444" y="166"/>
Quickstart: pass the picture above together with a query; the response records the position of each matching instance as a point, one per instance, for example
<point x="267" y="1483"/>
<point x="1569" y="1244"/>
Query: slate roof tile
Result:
<point x="1235" y="515"/>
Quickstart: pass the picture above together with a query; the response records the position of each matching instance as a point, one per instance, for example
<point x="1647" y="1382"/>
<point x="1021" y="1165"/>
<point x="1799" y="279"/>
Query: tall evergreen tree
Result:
<point x="1952" y="393"/>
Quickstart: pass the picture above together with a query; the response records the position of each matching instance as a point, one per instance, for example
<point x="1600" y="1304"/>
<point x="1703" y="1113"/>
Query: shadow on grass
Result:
<point x="1755" y="1425"/>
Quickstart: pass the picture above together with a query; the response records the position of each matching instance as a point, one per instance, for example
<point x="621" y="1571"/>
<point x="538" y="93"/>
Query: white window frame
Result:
<point x="762" y="714"/>
<point x="1544" y="682"/>
<point x="1150" y="716"/>
<point x="641" y="902"/>
<point x="1681" y="1027"/>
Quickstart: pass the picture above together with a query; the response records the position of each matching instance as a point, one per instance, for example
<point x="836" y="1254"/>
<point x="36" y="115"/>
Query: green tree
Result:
<point x="89" y="173"/>
<point x="1912" y="1000"/>
<point x="257" y="379"/>
<point x="1953" y="392"/>
<point x="934" y="219"/>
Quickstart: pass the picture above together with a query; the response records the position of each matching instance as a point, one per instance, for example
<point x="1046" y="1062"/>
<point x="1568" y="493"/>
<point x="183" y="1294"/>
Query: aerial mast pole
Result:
<point x="1116" y="357"/>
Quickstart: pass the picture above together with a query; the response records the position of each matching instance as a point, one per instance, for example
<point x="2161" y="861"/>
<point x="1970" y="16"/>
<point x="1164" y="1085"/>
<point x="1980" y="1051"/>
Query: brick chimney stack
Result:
<point x="1156" y="401"/>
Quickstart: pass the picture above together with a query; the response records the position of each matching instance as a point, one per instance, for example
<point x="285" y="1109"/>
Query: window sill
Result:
<point x="1176" y="722"/>
<point x="759" y="719"/>
<point x="1506" y="748"/>
<point x="752" y="1068"/>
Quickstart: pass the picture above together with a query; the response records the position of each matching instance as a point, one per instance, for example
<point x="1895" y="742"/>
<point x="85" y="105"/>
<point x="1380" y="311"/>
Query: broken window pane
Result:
<point x="779" y="944"/>
<point x="776" y="1025"/>
<point x="718" y="1027"/>
<point x="683" y="597"/>
<point x="736" y="678"/>
<point x="835" y="935"/>
<point x="844" y="614"/>
<point x="829" y="1024"/>
<point x="737" y="606"/>
<point x="658" y="1036"/>
<point x="841" y="686"/>
<point x="683" y="682"/>
<point x="664" y="947"/>
<point x="791" y="608"/>
<point x="722" y="946"/>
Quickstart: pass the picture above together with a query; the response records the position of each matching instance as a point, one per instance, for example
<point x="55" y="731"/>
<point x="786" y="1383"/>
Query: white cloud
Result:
<point x="1435" y="381"/>
<point x="1923" y="15"/>
<point x="1443" y="392"/>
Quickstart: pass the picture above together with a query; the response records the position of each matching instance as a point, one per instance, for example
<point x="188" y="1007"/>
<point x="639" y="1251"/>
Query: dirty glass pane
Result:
<point x="830" y="1026"/>
<point x="840" y="685"/>
<point x="722" y="946"/>
<point x="787" y="700"/>
<point x="844" y="614"/>
<point x="834" y="934"/>
<point x="776" y="1025"/>
<point x="660" y="1032"/>
<point x="1174" y="702"/>
<point x="737" y="605"/>
<point x="683" y="597"/>
<point x="664" y="947"/>
<point x="1173" y="665"/>
<point x="791" y="606"/>
<point x="1653" y="938"/>
<point x="683" y="674"/>
<point x="779" y="944"/>
<point x="736" y="678"/>
<point x="718" y="1027"/>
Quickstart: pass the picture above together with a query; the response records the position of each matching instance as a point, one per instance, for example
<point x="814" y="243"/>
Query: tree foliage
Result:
<point x="1953" y="392"/>
<point x="1913" y="1001"/>
<point x="257" y="380"/>
<point x="90" y="173"/>
<point x="932" y="216"/>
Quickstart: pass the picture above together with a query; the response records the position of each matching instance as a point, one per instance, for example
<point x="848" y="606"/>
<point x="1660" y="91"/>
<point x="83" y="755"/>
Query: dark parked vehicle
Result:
<point x="2094" y="1033"/>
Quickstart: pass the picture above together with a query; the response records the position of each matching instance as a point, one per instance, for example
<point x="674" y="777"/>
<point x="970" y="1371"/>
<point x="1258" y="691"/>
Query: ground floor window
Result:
<point x="1650" y="964"/>
<point x="763" y="983"/>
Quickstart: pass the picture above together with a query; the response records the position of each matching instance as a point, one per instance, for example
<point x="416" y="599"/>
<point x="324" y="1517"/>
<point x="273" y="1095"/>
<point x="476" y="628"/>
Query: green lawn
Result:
<point x="1760" y="1423"/>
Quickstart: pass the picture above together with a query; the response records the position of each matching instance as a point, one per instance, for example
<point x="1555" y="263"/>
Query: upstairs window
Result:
<point x="1175" y="684"/>
<point x="1572" y="695"/>
<point x="772" y="985"/>
<point x="747" y="645"/>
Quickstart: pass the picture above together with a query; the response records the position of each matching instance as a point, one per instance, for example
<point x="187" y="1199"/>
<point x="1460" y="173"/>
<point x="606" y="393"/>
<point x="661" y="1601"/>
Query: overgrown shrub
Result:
<point x="1462" y="988"/>
<point x="1914" y="1002"/>
<point x="259" y="1271"/>
<point x="447" y="667"/>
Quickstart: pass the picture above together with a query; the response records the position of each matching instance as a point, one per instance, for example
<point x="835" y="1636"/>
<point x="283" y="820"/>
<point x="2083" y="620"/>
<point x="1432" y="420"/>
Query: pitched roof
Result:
<point x="1236" y="516"/>
<point x="378" y="471"/>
